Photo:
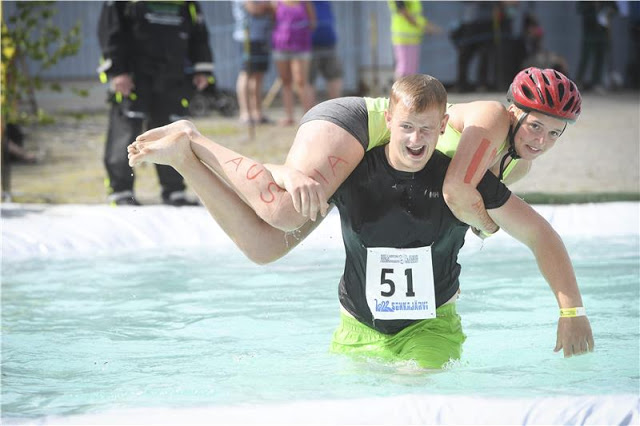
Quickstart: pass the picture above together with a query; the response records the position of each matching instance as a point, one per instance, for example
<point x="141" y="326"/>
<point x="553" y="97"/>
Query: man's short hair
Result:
<point x="419" y="92"/>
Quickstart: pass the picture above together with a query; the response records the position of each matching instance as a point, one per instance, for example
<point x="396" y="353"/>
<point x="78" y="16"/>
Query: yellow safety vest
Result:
<point x="402" y="31"/>
<point x="8" y="51"/>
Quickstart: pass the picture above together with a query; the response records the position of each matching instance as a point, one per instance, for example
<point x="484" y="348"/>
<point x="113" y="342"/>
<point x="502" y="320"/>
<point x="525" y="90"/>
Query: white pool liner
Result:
<point x="36" y="230"/>
<point x="397" y="410"/>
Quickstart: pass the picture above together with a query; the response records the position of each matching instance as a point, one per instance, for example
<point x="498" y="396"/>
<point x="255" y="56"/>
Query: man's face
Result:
<point x="414" y="136"/>
<point x="537" y="135"/>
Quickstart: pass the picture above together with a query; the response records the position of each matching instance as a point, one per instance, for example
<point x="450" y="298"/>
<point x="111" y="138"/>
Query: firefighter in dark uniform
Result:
<point x="154" y="54"/>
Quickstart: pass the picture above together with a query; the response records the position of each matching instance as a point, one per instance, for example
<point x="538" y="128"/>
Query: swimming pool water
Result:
<point x="204" y="326"/>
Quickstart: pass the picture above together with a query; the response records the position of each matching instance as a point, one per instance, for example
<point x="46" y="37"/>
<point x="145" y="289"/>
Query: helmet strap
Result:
<point x="563" y="129"/>
<point x="511" y="152"/>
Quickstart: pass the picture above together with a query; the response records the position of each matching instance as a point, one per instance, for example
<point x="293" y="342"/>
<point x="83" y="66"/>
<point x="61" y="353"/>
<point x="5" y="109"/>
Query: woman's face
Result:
<point x="537" y="134"/>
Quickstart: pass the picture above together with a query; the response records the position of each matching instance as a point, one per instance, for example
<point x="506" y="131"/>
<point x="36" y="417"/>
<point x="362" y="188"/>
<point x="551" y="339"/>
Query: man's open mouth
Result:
<point x="416" y="152"/>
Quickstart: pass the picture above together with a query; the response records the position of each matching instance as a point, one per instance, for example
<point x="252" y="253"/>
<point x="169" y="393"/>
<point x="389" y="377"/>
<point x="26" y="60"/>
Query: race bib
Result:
<point x="400" y="283"/>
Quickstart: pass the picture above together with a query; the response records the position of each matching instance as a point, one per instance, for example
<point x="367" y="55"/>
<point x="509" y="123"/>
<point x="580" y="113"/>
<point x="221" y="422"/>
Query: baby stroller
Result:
<point x="213" y="99"/>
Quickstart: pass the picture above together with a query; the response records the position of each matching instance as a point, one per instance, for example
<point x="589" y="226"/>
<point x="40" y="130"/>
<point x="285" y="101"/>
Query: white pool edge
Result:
<point x="405" y="409"/>
<point x="42" y="230"/>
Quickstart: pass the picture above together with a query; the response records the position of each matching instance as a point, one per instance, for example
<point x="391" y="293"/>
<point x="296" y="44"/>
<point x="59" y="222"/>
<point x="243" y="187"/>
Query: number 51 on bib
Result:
<point x="400" y="283"/>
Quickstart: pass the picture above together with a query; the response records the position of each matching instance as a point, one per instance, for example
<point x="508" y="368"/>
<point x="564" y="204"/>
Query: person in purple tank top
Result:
<point x="291" y="41"/>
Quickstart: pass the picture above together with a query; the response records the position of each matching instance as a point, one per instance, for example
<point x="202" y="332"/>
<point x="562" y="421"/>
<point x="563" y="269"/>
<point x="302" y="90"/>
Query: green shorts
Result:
<point x="431" y="343"/>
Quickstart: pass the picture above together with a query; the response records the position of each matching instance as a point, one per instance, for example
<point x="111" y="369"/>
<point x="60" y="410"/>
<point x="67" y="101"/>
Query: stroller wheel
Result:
<point x="199" y="106"/>
<point x="227" y="106"/>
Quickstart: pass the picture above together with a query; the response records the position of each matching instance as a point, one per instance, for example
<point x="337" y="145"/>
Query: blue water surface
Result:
<point x="195" y="327"/>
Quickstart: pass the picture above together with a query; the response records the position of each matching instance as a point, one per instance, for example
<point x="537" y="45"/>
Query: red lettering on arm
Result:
<point x="254" y="176"/>
<point x="321" y="175"/>
<point x="475" y="161"/>
<point x="236" y="161"/>
<point x="333" y="161"/>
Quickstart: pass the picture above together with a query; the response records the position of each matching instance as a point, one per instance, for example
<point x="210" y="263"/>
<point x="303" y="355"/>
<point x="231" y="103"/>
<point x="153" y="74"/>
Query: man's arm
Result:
<point x="523" y="223"/>
<point x="485" y="127"/>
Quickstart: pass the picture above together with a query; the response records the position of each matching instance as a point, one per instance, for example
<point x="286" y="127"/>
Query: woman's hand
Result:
<point x="307" y="194"/>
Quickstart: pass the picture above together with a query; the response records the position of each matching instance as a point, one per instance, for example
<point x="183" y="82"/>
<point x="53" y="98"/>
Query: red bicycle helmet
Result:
<point x="547" y="91"/>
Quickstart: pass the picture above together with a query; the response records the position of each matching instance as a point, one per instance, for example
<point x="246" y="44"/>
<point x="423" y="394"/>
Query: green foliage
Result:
<point x="30" y="33"/>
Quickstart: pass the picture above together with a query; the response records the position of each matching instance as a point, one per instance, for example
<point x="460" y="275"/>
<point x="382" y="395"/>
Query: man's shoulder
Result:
<point x="375" y="154"/>
<point x="438" y="159"/>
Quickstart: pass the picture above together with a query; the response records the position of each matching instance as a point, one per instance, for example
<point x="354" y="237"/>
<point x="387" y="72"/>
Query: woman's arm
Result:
<point x="485" y="126"/>
<point x="523" y="223"/>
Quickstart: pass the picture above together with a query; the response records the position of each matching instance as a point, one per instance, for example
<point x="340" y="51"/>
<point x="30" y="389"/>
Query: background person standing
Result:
<point x="291" y="40"/>
<point x="324" y="58"/>
<point x="153" y="55"/>
<point x="254" y="20"/>
<point x="474" y="37"/>
<point x="407" y="27"/>
<point x="595" y="41"/>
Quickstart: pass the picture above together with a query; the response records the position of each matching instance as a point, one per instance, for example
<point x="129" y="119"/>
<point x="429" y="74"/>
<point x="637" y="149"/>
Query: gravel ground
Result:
<point x="596" y="159"/>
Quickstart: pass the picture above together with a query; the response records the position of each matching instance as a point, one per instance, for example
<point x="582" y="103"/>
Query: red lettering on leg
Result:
<point x="271" y="198"/>
<point x="236" y="161"/>
<point x="475" y="161"/>
<point x="333" y="161"/>
<point x="321" y="175"/>
<point x="254" y="176"/>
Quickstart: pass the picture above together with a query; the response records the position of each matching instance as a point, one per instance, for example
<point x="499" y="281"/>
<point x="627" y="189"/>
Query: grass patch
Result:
<point x="212" y="128"/>
<point x="578" y="198"/>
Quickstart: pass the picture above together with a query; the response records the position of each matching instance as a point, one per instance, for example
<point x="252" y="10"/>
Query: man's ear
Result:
<point x="443" y="123"/>
<point x="387" y="118"/>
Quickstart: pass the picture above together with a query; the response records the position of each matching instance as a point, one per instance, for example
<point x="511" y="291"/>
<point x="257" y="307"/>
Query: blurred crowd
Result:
<point x="493" y="40"/>
<point x="487" y="31"/>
